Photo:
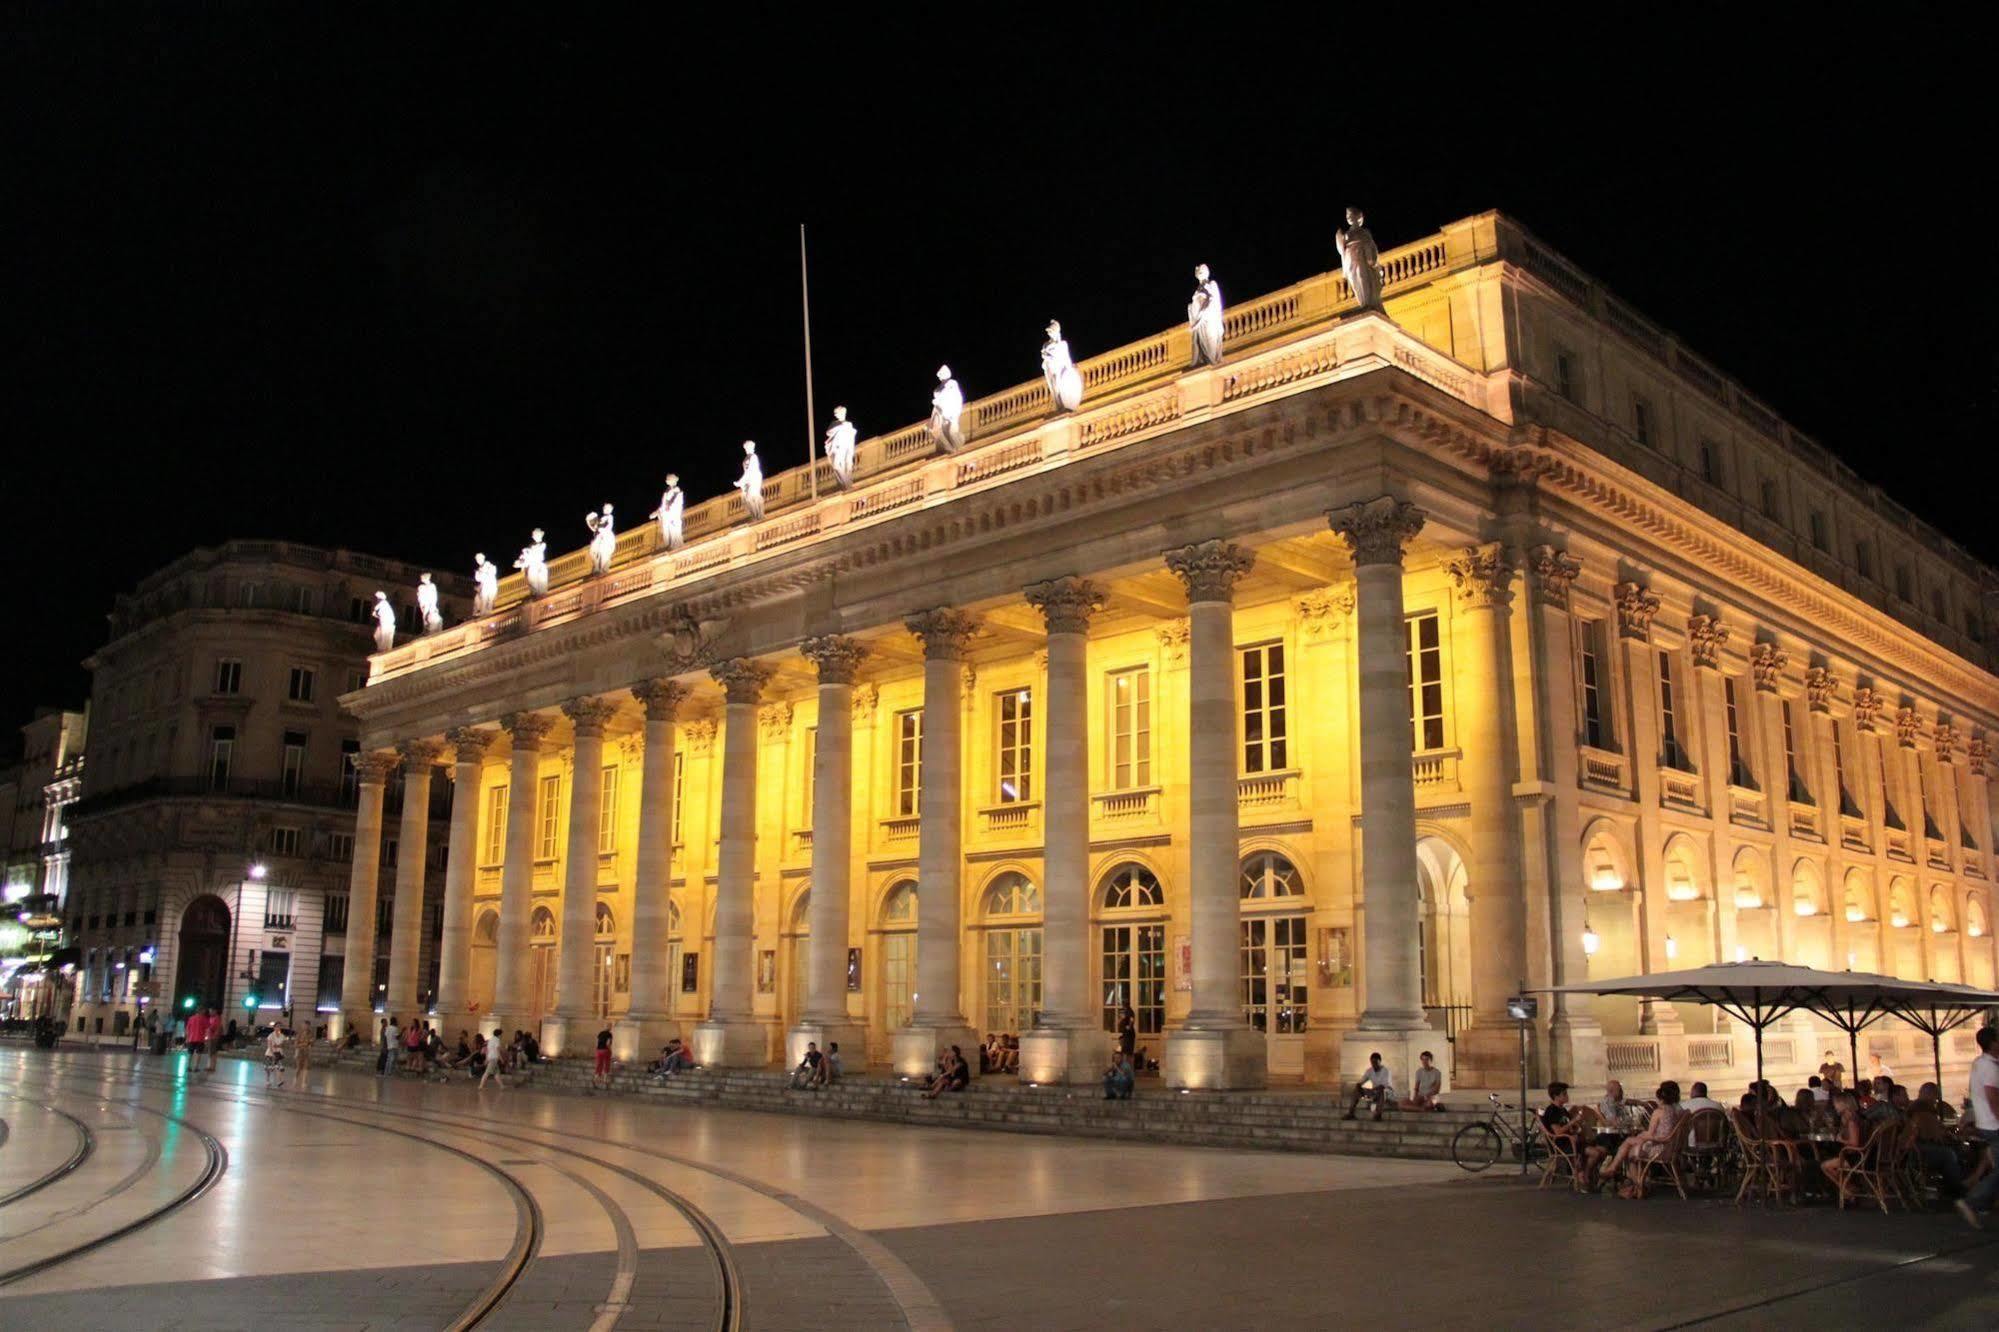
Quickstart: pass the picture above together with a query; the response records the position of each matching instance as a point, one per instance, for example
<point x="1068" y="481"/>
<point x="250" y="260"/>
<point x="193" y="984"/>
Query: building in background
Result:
<point x="37" y="793"/>
<point x="215" y="825"/>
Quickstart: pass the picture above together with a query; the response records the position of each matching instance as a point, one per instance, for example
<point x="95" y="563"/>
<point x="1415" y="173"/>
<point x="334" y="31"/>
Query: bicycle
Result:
<point x="1477" y="1146"/>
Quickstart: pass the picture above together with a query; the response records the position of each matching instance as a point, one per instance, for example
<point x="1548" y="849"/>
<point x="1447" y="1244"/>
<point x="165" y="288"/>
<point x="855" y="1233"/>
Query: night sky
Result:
<point x="413" y="280"/>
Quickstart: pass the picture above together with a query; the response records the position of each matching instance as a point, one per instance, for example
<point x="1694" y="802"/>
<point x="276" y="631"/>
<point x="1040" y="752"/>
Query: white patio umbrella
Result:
<point x="1933" y="1008"/>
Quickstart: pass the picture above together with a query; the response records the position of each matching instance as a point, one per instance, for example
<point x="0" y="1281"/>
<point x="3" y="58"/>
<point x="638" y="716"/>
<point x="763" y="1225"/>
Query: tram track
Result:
<point x="86" y="1143"/>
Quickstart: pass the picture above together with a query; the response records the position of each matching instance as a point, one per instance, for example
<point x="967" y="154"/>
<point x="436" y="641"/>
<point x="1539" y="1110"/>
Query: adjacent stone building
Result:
<point x="1305" y="705"/>
<point x="212" y="842"/>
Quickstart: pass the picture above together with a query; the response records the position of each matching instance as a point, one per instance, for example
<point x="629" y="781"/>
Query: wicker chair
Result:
<point x="1666" y="1166"/>
<point x="1564" y="1159"/>
<point x="1769" y="1165"/>
<point x="1703" y="1159"/>
<point x="1872" y="1170"/>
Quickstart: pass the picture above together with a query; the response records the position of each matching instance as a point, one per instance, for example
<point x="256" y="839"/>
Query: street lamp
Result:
<point x="1672" y="948"/>
<point x="1590" y="941"/>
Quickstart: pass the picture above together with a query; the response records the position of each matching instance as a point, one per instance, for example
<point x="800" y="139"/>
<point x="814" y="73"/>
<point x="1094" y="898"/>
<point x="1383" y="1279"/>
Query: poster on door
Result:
<point x="1183" y="965"/>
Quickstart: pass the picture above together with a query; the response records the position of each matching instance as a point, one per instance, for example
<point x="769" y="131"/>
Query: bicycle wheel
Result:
<point x="1475" y="1147"/>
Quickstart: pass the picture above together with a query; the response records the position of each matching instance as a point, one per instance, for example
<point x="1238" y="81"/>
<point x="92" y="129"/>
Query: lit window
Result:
<point x="1265" y="710"/>
<point x="547" y="816"/>
<point x="1130" y="709"/>
<point x="1424" y="664"/>
<point x="607" y="812"/>
<point x="496" y="825"/>
<point x="1672" y="752"/>
<point x="908" y="761"/>
<point x="1014" y="746"/>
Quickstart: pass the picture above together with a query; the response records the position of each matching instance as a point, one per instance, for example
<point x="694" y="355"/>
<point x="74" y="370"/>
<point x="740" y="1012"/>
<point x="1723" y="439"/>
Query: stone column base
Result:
<point x="574" y="1037"/>
<point x="1576" y="1051"/>
<point x="851" y="1037"/>
<point x="1399" y="1049"/>
<point x="732" y="1043"/>
<point x="1215" y="1059"/>
<point x="1064" y="1056"/>
<point x="640" y="1039"/>
<point x="915" y="1050"/>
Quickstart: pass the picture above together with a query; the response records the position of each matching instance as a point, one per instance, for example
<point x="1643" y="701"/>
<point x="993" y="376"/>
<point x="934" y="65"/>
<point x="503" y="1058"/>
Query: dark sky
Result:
<point x="414" y="279"/>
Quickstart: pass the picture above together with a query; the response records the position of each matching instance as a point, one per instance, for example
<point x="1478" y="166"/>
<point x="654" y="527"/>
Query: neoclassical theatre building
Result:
<point x="1308" y="704"/>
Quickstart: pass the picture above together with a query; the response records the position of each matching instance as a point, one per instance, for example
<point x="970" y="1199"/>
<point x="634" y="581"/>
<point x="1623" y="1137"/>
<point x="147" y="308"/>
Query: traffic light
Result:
<point x="249" y="1001"/>
<point x="188" y="1004"/>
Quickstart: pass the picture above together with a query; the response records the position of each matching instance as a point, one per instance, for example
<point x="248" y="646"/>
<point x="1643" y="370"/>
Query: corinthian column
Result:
<point x="938" y="1021"/>
<point x="1481" y="640"/>
<point x="1066" y="1044"/>
<point x="1392" y="1023"/>
<point x="406" y="937"/>
<point x="575" y="1024"/>
<point x="1214" y="1047"/>
<point x="731" y="1037"/>
<point x="454" y="964"/>
<point x="510" y="965"/>
<point x="357" y="977"/>
<point x="825" y="1018"/>
<point x="649" y="1022"/>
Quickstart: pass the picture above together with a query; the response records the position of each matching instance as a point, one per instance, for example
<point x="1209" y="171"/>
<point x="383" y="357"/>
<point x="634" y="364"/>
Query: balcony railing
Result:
<point x="801" y="843"/>
<point x="1747" y="807"/>
<point x="1898" y="844"/>
<point x="1600" y="767"/>
<point x="1434" y="770"/>
<point x="1014" y="817"/>
<point x="1805" y="822"/>
<point x="1679" y="787"/>
<point x="1853" y="833"/>
<point x="1123" y="806"/>
<point x="1266" y="791"/>
<point x="903" y="828"/>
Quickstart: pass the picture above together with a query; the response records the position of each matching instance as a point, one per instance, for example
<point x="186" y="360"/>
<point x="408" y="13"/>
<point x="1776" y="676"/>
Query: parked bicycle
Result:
<point x="1477" y="1146"/>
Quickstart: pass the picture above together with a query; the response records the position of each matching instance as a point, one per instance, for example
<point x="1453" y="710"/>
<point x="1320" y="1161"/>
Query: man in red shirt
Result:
<point x="197" y="1033"/>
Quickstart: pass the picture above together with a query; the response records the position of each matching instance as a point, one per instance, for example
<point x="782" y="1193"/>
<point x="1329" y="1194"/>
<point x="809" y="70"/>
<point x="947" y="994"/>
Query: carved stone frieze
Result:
<point x="1706" y="637"/>
<point x="1766" y="665"/>
<point x="1821" y="689"/>
<point x="775" y="720"/>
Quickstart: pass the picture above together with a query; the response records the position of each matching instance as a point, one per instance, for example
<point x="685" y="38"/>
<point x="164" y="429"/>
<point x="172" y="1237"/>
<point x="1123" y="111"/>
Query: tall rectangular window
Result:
<point x="340" y="846"/>
<point x="1670" y="750"/>
<point x="298" y="688"/>
<point x="496" y="825"/>
<point x="280" y="908"/>
<point x="221" y="754"/>
<point x="1847" y="804"/>
<point x="1641" y="419"/>
<point x="1903" y="585"/>
<point x="607" y="812"/>
<point x="1738" y="770"/>
<point x="293" y="775"/>
<point x="1424" y="664"/>
<point x="547" y="811"/>
<point x="1863" y="559"/>
<point x="1819" y="538"/>
<point x="908" y="761"/>
<point x="229" y="676"/>
<point x="805" y="775"/>
<point x="1265" y="719"/>
<point x="1129" y="707"/>
<point x="1014" y="745"/>
<point x="1567" y="382"/>
<point x="1794" y="776"/>
<point x="1596" y="733"/>
<point x="679" y="791"/>
<point x="285" y="841"/>
<point x="1769" y="495"/>
<point x="1711" y="462"/>
<point x="336" y="913"/>
<point x="1889" y="816"/>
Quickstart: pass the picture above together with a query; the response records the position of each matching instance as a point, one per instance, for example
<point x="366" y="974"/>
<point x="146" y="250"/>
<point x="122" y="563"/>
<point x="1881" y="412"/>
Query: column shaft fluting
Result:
<point x="357" y="978"/>
<point x="454" y="963"/>
<point x="575" y="985"/>
<point x="652" y="987"/>
<point x="412" y="841"/>
<point x="510" y="972"/>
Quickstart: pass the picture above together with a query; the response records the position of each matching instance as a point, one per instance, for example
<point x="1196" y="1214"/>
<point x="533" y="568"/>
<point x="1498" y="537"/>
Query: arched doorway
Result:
<point x="796" y="941"/>
<point x="1755" y="907"/>
<point x="898" y="973"/>
<point x="1010" y="911"/>
<point x="1273" y="958"/>
<point x="603" y="977"/>
<point x="1444" y="942"/>
<point x="1943" y="935"/>
<point x="485" y="958"/>
<point x="202" y="972"/>
<point x="541" y="965"/>
<point x="1131" y="955"/>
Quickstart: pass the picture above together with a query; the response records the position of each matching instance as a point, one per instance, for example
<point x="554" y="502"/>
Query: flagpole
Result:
<point x="811" y="416"/>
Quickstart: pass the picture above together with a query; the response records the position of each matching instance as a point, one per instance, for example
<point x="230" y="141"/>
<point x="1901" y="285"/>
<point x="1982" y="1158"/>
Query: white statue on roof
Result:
<point x="533" y="561"/>
<point x="1065" y="382"/>
<point x="385" y="623"/>
<point x="840" y="448"/>
<point x="603" y="540"/>
<point x="672" y="509"/>
<point x="1204" y="318"/>
<point x="751" y="482"/>
<point x="485" y="578"/>
<point x="426" y="605"/>
<point x="947" y="404"/>
<point x="1360" y="260"/>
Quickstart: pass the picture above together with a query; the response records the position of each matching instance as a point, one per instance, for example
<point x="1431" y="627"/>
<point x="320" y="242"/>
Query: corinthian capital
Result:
<point x="838" y="658"/>
<point x="1975" y="755"/>
<point x="1766" y="664"/>
<point x="742" y="679"/>
<point x="526" y="729"/>
<point x="1555" y="573"/>
<point x="374" y="768"/>
<point x="1210" y="569"/>
<point x="1867" y="705"/>
<point x="1908" y="728"/>
<point x="1821" y="688"/>
<point x="1635" y="608"/>
<point x="1482" y="576"/>
<point x="775" y="720"/>
<point x="700" y="734"/>
<point x="1066" y="603"/>
<point x="470" y="743"/>
<point x="661" y="698"/>
<point x="1322" y="611"/>
<point x="1706" y="636"/>
<point x="419" y="755"/>
<point x="1378" y="530"/>
<point x="944" y="632"/>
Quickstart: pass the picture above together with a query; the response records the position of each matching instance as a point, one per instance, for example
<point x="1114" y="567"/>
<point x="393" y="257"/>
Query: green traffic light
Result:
<point x="249" y="1001"/>
<point x="187" y="1002"/>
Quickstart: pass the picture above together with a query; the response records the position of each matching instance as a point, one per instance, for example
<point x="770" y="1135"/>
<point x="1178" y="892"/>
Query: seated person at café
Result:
<point x="1882" y="1110"/>
<point x="1639" y="1148"/>
<point x="1848" y="1132"/>
<point x="1699" y="1099"/>
<point x="1936" y="1145"/>
<point x="1562" y="1122"/>
<point x="1820" y="1092"/>
<point x="1429" y="1085"/>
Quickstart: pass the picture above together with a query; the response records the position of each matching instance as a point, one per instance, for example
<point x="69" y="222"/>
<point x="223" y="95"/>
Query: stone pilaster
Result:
<point x="1213" y="1048"/>
<point x="1066" y="1044"/>
<point x="412" y="844"/>
<point x="732" y="1037"/>
<point x="825" y="1019"/>
<point x="357" y="978"/>
<point x="454" y="962"/>
<point x="1392" y="1021"/>
<point x="512" y="1004"/>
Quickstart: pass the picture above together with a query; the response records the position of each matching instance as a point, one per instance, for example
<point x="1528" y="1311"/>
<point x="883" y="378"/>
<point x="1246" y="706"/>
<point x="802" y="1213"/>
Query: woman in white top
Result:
<point x="493" y="1061"/>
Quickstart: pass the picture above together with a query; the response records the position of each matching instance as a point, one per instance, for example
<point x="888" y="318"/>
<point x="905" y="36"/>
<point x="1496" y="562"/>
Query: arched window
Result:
<point x="1131" y="885"/>
<point x="607" y="924"/>
<point x="1267" y="875"/>
<point x="672" y="918"/>
<point x="487" y="932"/>
<point x="899" y="907"/>
<point x="898" y="976"/>
<point x="542" y="924"/>
<point x="1012" y="895"/>
<point x="1975" y="923"/>
<point x="801" y="913"/>
<point x="1942" y="919"/>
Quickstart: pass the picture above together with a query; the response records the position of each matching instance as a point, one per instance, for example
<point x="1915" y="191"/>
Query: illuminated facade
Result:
<point x="1310" y="704"/>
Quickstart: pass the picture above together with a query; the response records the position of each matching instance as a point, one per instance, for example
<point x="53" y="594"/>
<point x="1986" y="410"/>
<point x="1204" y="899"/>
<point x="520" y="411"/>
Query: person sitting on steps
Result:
<point x="1377" y="1085"/>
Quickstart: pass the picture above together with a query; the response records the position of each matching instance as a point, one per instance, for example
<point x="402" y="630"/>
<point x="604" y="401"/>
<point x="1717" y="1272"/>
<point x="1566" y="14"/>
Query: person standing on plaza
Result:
<point x="493" y="1052"/>
<point x="1985" y="1118"/>
<point x="302" y="1056"/>
<point x="274" y="1057"/>
<point x="197" y="1027"/>
<point x="211" y="1039"/>
<point x="600" y="1074"/>
<point x="392" y="1046"/>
